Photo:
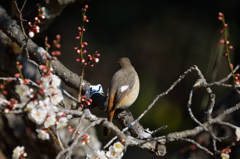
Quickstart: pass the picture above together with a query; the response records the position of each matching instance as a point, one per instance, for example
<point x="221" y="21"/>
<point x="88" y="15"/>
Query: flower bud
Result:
<point x="30" y="24"/>
<point x="82" y="60"/>
<point x="225" y="54"/>
<point x="96" y="60"/>
<point x="237" y="82"/>
<point x="82" y="99"/>
<point x="6" y="110"/>
<point x="17" y="75"/>
<point x="91" y="64"/>
<point x="89" y="57"/>
<point x="31" y="34"/>
<point x="221" y="41"/>
<point x="58" y="36"/>
<point x="84" y="51"/>
<point x="88" y="103"/>
<point x="220" y="18"/>
<point x="42" y="16"/>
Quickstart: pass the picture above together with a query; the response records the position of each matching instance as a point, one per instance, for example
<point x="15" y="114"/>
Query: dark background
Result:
<point x="162" y="39"/>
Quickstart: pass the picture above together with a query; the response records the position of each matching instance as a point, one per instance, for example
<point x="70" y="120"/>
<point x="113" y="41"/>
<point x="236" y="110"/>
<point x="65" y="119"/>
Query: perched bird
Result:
<point x="123" y="90"/>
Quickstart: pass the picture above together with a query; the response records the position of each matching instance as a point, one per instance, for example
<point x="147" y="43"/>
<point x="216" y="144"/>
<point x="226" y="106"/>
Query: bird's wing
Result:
<point x="125" y="86"/>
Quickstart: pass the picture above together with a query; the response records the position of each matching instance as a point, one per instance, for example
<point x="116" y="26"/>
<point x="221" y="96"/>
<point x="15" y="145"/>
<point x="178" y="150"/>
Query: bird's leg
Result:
<point x="128" y="111"/>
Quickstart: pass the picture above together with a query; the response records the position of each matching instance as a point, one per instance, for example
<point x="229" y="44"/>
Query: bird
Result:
<point x="123" y="89"/>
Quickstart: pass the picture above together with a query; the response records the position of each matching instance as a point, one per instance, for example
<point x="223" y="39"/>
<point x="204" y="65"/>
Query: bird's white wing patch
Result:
<point x="123" y="88"/>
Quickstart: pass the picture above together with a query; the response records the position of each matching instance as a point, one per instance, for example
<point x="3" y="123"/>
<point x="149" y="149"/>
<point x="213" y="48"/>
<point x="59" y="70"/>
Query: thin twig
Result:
<point x="24" y="33"/>
<point x="226" y="124"/>
<point x="75" y="131"/>
<point x="159" y="129"/>
<point x="54" y="138"/>
<point x="21" y="22"/>
<point x="67" y="94"/>
<point x="92" y="124"/>
<point x="228" y="76"/>
<point x="152" y="139"/>
<point x="195" y="143"/>
<point x="153" y="102"/>
<point x="59" y="139"/>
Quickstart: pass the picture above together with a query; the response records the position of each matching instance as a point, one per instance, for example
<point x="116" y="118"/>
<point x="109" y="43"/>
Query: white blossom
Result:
<point x="56" y="81"/>
<point x="57" y="97"/>
<point x="51" y="80"/>
<point x="118" y="147"/>
<point x="38" y="115"/>
<point x="43" y="134"/>
<point x="41" y="105"/>
<point x="15" y="106"/>
<point x="23" y="92"/>
<point x="225" y="156"/>
<point x="50" y="107"/>
<point x="238" y="133"/>
<point x="115" y="151"/>
<point x="62" y="122"/>
<point x="49" y="90"/>
<point x="112" y="154"/>
<point x="30" y="106"/>
<point x="49" y="121"/>
<point x="54" y="94"/>
<point x="69" y="116"/>
<point x="46" y="81"/>
<point x="17" y="152"/>
<point x="96" y="155"/>
<point x="60" y="114"/>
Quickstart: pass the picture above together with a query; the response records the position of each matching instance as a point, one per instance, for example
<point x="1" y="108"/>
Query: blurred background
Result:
<point x="162" y="39"/>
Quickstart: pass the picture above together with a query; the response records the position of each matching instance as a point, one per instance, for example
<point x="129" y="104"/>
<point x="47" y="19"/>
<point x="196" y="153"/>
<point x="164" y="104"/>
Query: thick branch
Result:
<point x="14" y="32"/>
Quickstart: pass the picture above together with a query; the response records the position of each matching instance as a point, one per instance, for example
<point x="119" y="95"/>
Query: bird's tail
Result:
<point x="106" y="131"/>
